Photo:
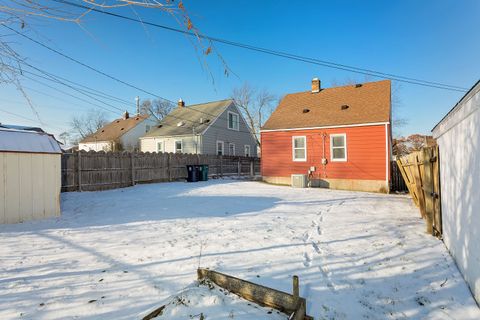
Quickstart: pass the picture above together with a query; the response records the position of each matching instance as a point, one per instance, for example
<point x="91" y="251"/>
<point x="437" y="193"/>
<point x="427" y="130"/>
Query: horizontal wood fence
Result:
<point x="92" y="171"/>
<point x="421" y="173"/>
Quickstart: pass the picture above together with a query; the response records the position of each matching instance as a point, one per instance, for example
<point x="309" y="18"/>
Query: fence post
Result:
<point x="239" y="167"/>
<point x="437" y="217"/>
<point x="427" y="189"/>
<point x="252" y="167"/>
<point x="79" y="170"/>
<point x="169" y="166"/>
<point x="221" y="166"/>
<point x="132" y="158"/>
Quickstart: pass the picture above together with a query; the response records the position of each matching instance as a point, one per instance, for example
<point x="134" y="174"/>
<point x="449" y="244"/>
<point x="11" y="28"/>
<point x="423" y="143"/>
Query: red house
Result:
<point x="339" y="137"/>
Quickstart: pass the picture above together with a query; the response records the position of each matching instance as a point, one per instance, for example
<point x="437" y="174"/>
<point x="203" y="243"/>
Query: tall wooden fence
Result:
<point x="421" y="173"/>
<point x="92" y="171"/>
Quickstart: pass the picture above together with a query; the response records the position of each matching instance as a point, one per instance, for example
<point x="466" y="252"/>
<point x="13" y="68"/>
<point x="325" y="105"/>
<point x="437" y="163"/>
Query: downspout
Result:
<point x="324" y="159"/>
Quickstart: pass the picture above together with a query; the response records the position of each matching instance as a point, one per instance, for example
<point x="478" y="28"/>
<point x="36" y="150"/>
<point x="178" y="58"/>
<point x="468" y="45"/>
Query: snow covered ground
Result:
<point x="117" y="254"/>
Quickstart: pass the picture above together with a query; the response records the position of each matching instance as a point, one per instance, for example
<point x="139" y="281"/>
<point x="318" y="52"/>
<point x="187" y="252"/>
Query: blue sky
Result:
<point x="430" y="40"/>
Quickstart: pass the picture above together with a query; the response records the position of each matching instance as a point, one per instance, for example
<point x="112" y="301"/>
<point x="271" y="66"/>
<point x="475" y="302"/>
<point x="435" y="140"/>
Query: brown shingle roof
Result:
<point x="368" y="103"/>
<point x="115" y="129"/>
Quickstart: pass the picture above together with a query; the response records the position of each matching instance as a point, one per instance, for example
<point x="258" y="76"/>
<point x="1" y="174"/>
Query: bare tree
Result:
<point x="255" y="105"/>
<point x="64" y="137"/>
<point x="25" y="14"/>
<point x="159" y="108"/>
<point x="87" y="124"/>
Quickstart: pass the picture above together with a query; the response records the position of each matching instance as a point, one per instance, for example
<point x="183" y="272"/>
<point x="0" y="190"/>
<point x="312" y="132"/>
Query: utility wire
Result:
<point x="69" y="94"/>
<point x="28" y="119"/>
<point x="85" y="65"/>
<point x="287" y="55"/>
<point x="75" y="89"/>
<point x="91" y="90"/>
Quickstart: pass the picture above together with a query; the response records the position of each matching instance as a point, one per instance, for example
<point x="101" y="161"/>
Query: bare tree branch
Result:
<point x="255" y="105"/>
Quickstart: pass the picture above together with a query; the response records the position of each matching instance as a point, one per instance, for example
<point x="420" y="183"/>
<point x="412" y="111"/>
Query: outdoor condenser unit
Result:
<point x="299" y="180"/>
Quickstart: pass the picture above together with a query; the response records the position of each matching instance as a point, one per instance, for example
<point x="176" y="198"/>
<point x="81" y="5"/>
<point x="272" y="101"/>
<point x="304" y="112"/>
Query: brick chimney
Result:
<point x="126" y="115"/>
<point x="316" y="85"/>
<point x="181" y="103"/>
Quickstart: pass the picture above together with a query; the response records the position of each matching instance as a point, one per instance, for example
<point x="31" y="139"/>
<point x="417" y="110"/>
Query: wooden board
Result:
<point x="290" y="304"/>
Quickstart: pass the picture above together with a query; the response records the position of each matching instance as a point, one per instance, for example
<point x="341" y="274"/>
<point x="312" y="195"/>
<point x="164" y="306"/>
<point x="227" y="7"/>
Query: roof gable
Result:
<point x="186" y="120"/>
<point x="347" y="105"/>
<point x="115" y="129"/>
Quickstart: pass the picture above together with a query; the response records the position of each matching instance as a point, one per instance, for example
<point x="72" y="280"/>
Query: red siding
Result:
<point x="366" y="153"/>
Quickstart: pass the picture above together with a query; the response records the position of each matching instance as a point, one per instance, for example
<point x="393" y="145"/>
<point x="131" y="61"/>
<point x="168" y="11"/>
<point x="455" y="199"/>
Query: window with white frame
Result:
<point x="299" y="148"/>
<point x="178" y="146"/>
<point x="220" y="145"/>
<point x="233" y="121"/>
<point x="160" y="146"/>
<point x="338" y="147"/>
<point x="231" y="149"/>
<point x="247" y="150"/>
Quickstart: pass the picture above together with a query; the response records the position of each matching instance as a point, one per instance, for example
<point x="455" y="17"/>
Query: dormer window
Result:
<point x="233" y="121"/>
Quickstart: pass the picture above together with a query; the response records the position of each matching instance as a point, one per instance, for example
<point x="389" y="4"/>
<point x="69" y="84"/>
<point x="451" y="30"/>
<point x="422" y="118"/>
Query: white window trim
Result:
<point x="163" y="145"/>
<point x="234" y="151"/>
<point x="223" y="147"/>
<point x="175" y="146"/>
<point x="344" y="135"/>
<point x="228" y="121"/>
<point x="293" y="149"/>
<point x="245" y="150"/>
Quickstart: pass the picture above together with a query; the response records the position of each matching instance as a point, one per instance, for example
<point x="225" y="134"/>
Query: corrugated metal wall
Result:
<point x="29" y="186"/>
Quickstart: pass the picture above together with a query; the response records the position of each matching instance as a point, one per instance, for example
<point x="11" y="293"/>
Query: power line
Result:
<point x="28" y="119"/>
<point x="69" y="94"/>
<point x="85" y="65"/>
<point x="287" y="55"/>
<point x="92" y="90"/>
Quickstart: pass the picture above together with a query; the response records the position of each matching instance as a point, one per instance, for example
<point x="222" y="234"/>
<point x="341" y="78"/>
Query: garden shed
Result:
<point x="30" y="166"/>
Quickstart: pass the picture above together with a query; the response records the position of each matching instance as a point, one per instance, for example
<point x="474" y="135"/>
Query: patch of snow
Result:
<point x="208" y="301"/>
<point x="118" y="253"/>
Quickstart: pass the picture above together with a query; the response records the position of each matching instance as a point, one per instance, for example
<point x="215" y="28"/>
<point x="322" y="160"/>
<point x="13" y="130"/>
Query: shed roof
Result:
<point x="115" y="129"/>
<point x="182" y="119"/>
<point x="363" y="103"/>
<point x="473" y="91"/>
<point x="27" y="141"/>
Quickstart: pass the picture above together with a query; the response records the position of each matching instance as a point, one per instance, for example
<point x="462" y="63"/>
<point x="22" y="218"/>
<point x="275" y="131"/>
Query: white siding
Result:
<point x="29" y="186"/>
<point x="130" y="140"/>
<point x="190" y="144"/>
<point x="458" y="137"/>
<point x="96" y="146"/>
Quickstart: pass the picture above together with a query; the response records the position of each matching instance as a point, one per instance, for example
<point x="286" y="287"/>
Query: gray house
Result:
<point x="210" y="128"/>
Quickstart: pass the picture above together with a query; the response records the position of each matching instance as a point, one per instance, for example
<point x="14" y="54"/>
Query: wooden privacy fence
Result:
<point x="421" y="173"/>
<point x="92" y="171"/>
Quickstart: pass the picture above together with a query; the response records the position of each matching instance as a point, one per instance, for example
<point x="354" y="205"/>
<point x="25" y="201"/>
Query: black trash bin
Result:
<point x="199" y="172"/>
<point x="192" y="173"/>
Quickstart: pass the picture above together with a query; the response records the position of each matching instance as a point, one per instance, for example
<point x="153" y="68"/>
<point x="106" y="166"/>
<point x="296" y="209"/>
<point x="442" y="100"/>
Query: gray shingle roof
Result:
<point x="181" y="120"/>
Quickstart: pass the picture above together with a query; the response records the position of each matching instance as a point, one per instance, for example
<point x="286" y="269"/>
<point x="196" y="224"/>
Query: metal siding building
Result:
<point x="458" y="138"/>
<point x="30" y="181"/>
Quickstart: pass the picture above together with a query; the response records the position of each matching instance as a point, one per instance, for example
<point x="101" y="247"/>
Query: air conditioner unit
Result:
<point x="299" y="180"/>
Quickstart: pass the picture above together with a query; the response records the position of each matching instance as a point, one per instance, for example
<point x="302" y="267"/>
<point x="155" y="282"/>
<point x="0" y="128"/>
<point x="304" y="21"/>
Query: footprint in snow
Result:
<point x="307" y="259"/>
<point x="306" y="237"/>
<point x="316" y="247"/>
